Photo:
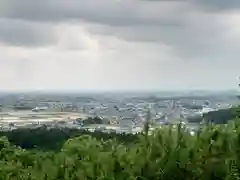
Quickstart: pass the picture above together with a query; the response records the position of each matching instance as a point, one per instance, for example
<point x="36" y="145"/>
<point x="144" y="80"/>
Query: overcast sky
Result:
<point x="119" y="45"/>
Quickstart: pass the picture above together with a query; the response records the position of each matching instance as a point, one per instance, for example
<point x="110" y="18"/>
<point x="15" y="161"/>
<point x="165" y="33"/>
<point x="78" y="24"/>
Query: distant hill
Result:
<point x="221" y="116"/>
<point x="217" y="117"/>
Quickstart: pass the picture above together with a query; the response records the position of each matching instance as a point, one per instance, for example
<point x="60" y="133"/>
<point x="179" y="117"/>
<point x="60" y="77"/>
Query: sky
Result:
<point x="119" y="45"/>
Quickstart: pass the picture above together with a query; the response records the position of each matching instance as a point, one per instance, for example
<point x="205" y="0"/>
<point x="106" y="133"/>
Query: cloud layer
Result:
<point x="125" y="44"/>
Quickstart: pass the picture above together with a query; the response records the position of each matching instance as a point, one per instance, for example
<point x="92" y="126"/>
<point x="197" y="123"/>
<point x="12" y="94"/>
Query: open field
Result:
<point x="31" y="117"/>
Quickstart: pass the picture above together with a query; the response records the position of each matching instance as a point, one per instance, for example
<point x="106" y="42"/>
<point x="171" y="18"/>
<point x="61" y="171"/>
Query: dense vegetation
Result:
<point x="93" y="120"/>
<point x="221" y="116"/>
<point x="53" y="139"/>
<point x="213" y="153"/>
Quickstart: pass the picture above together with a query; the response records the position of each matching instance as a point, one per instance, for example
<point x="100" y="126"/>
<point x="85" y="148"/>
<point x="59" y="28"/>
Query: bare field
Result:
<point x="40" y="116"/>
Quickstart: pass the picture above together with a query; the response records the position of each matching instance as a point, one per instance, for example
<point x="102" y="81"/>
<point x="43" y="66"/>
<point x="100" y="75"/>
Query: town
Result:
<point x="111" y="112"/>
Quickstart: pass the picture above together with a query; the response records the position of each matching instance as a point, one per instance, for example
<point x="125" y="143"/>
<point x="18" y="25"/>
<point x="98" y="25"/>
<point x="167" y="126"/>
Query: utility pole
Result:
<point x="238" y="106"/>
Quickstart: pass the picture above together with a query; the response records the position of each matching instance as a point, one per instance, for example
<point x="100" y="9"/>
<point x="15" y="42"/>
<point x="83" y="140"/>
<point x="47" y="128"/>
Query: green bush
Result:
<point x="166" y="154"/>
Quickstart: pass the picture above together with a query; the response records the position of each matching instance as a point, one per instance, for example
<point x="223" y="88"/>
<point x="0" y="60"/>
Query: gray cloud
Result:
<point x="110" y="12"/>
<point x="195" y="36"/>
<point x="183" y="25"/>
<point x="114" y="14"/>
<point x="21" y="33"/>
<point x="218" y="5"/>
<point x="161" y="44"/>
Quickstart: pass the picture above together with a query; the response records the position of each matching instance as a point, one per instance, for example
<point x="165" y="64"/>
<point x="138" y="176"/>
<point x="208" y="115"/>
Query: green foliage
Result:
<point x="167" y="154"/>
<point x="53" y="139"/>
<point x="221" y="116"/>
<point x="94" y="120"/>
